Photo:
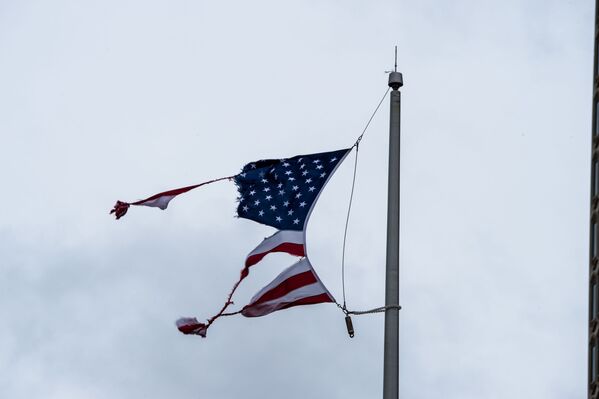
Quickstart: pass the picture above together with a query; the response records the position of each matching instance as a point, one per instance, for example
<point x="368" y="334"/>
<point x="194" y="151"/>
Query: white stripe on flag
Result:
<point x="160" y="202"/>
<point x="289" y="241"/>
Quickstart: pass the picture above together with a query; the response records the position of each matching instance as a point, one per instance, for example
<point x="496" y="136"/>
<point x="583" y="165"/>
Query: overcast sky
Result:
<point x="107" y="100"/>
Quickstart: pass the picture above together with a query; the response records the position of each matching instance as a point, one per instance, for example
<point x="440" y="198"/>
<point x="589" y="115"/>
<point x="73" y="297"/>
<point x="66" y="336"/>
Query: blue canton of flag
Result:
<point x="281" y="192"/>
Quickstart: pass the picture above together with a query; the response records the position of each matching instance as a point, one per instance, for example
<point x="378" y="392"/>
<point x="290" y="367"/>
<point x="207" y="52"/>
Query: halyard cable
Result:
<point x="351" y="196"/>
<point x="371" y="117"/>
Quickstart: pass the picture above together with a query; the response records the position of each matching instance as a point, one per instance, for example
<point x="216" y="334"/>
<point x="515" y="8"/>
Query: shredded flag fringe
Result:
<point x="120" y="209"/>
<point x="190" y="325"/>
<point x="159" y="200"/>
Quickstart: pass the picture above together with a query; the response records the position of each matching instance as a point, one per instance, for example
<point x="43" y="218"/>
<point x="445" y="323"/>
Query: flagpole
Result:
<point x="391" y="347"/>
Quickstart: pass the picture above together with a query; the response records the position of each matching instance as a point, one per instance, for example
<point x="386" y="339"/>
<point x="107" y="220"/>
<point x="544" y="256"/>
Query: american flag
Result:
<point x="280" y="193"/>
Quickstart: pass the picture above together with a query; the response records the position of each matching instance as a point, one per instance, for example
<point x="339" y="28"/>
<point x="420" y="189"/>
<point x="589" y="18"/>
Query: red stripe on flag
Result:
<point x="169" y="193"/>
<point x="292" y="283"/>
<point x="258" y="310"/>
<point x="311" y="300"/>
<point x="190" y="325"/>
<point x="288" y="247"/>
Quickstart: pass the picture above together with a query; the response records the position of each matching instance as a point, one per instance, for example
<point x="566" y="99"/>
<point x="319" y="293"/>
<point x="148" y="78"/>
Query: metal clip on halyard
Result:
<point x="349" y="325"/>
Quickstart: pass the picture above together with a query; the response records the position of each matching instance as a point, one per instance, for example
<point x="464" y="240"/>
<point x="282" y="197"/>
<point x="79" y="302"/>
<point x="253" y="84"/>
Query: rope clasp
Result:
<point x="349" y="325"/>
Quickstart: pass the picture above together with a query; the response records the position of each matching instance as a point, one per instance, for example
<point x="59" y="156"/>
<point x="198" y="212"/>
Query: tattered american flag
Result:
<point x="280" y="193"/>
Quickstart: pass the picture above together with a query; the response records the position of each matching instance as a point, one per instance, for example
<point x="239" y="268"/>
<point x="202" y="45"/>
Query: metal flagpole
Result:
<point x="391" y="357"/>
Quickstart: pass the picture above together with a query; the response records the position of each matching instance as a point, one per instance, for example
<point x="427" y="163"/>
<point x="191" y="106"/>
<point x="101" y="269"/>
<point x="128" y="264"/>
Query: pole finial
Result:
<point x="395" y="78"/>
